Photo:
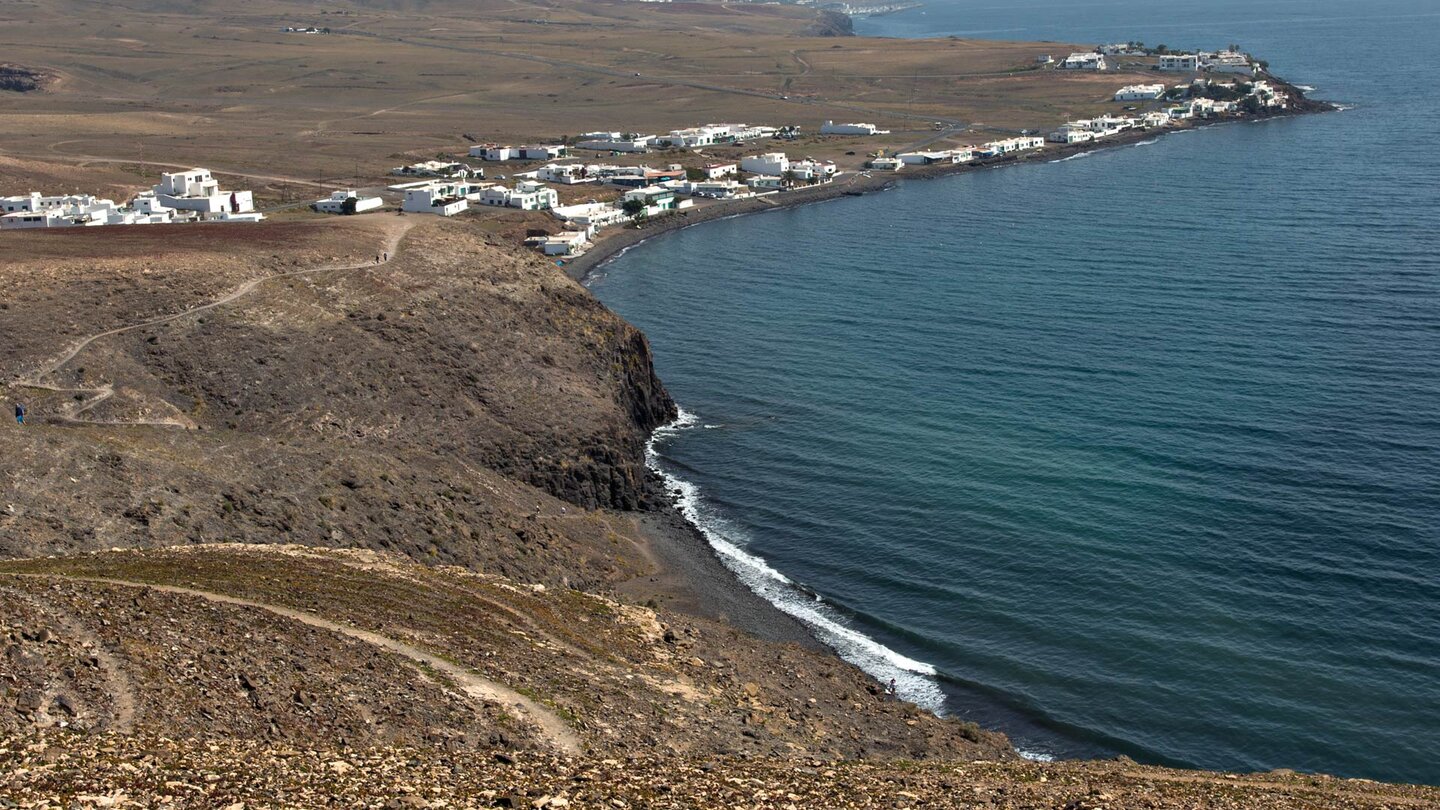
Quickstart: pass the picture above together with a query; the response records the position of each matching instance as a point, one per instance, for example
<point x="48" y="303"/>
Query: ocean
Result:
<point x="1136" y="453"/>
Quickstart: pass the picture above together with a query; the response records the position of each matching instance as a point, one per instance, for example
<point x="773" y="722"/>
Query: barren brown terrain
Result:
<point x="153" y="84"/>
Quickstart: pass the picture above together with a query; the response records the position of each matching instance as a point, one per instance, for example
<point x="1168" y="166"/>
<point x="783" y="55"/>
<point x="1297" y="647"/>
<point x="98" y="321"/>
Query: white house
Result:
<point x="196" y="190"/>
<point x="146" y="209"/>
<point x="1010" y="145"/>
<point x="719" y="171"/>
<point x="727" y="189"/>
<point x="832" y="128"/>
<point x="1180" y="62"/>
<point x="1182" y="112"/>
<point x="436" y="168"/>
<point x="1228" y="62"/>
<point x="179" y="196"/>
<point x="565" y="243"/>
<point x="567" y="174"/>
<point x="445" y="199"/>
<point x="657" y="199"/>
<point x="531" y="196"/>
<point x="68" y="211"/>
<point x="347" y="202"/>
<point x="924" y="158"/>
<point x="527" y="196"/>
<point x="1085" y="61"/>
<point x="593" y="216"/>
<point x="765" y="182"/>
<point x="1151" y="120"/>
<point x="542" y="152"/>
<point x="490" y="151"/>
<point x="813" y="171"/>
<point x="770" y="163"/>
<point x="614" y="142"/>
<point x="1068" y="136"/>
<point x="885" y="164"/>
<point x="1140" y="92"/>
<point x="692" y="137"/>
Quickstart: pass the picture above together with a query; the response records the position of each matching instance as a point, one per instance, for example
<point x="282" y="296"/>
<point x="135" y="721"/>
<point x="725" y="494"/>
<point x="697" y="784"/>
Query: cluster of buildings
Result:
<point x="689" y="138"/>
<point x="450" y="197"/>
<point x="1094" y="129"/>
<point x="1200" y="99"/>
<point x="964" y="154"/>
<point x="654" y="192"/>
<point x="1227" y="61"/>
<point x="189" y="196"/>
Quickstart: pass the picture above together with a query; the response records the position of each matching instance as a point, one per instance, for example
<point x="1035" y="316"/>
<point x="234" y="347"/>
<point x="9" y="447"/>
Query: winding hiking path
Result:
<point x="97" y="395"/>
<point x="546" y="723"/>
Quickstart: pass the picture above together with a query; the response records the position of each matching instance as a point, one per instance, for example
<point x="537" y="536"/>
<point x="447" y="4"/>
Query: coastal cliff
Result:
<point x="407" y="406"/>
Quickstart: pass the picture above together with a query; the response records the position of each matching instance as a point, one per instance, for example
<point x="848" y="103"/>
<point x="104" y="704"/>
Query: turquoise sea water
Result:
<point x="1135" y="453"/>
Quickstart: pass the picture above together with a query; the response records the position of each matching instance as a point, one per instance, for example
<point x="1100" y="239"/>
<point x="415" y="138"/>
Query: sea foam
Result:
<point x="914" y="680"/>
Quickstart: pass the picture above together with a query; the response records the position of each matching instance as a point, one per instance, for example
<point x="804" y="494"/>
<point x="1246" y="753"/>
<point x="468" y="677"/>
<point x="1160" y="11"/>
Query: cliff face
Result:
<point x="406" y="406"/>
<point x="832" y="24"/>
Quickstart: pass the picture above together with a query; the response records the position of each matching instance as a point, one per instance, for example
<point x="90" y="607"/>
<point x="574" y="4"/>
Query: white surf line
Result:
<point x="916" y="681"/>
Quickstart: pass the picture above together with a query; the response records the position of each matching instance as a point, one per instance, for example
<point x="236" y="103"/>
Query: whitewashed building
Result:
<point x="770" y="163"/>
<point x="444" y="199"/>
<point x="719" y="171"/>
<point x="436" y="168"/>
<point x="1140" y="92"/>
<point x="347" y="201"/>
<point x="615" y="142"/>
<point x="1085" y="61"/>
<point x="565" y="243"/>
<point x="593" y="216"/>
<point x="656" y="199"/>
<point x="832" y="128"/>
<point x="1180" y="62"/>
<point x="196" y="191"/>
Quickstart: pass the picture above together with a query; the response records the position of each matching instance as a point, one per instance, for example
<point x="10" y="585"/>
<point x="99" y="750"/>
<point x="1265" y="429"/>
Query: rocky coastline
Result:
<point x="691" y="576"/>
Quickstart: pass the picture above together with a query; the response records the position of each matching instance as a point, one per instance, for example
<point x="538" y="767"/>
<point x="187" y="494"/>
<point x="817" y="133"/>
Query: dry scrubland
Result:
<point x="148" y="84"/>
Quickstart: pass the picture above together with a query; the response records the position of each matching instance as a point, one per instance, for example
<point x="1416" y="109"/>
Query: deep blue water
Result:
<point x="1136" y="453"/>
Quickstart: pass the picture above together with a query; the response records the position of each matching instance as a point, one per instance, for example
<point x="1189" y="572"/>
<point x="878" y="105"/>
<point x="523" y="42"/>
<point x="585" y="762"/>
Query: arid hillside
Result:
<point x="283" y="676"/>
<point x="333" y="400"/>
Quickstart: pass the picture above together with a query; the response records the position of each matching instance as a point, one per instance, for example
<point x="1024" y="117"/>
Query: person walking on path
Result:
<point x="19" y="413"/>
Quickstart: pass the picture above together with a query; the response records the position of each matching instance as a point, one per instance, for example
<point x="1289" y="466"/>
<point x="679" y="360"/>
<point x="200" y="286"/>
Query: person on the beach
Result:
<point x="19" y="413"/>
<point x="890" y="690"/>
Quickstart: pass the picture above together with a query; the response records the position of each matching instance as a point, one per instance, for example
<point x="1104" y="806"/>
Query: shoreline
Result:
<point x="690" y="571"/>
<point x="856" y="184"/>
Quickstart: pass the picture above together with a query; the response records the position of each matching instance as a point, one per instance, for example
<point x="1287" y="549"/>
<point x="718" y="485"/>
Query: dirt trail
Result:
<point x="96" y="396"/>
<point x="549" y="725"/>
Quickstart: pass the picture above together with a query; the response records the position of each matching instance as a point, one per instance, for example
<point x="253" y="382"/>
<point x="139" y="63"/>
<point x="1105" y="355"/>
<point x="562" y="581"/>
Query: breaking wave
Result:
<point x="915" y="681"/>
<point x="1075" y="156"/>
